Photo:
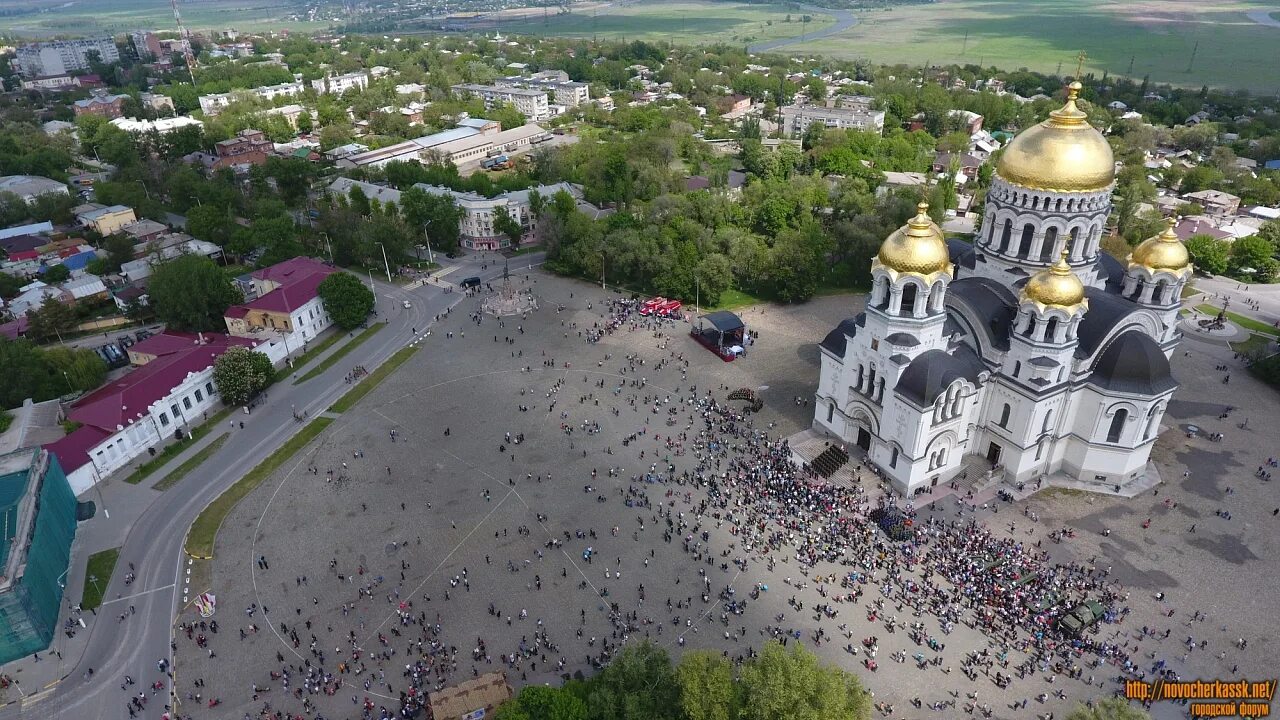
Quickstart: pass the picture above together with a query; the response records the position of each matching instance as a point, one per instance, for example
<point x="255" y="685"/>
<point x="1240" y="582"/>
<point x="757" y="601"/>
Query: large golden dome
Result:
<point x="1064" y="153"/>
<point x="918" y="247"/>
<point x="1162" y="252"/>
<point x="1055" y="286"/>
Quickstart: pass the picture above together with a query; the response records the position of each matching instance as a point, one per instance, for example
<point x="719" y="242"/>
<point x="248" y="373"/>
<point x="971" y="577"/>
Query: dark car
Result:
<point x="470" y="283"/>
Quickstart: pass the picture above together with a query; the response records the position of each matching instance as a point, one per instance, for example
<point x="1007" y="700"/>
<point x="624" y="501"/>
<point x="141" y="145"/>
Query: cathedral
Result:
<point x="1029" y="348"/>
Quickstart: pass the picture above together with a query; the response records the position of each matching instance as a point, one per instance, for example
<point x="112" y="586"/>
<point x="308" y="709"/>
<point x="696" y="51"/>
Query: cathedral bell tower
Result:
<point x="1158" y="269"/>
<point x="1044" y="338"/>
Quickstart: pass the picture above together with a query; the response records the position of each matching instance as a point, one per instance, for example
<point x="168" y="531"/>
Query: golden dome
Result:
<point x="918" y="247"/>
<point x="1162" y="252"/>
<point x="1055" y="286"/>
<point x="1064" y="153"/>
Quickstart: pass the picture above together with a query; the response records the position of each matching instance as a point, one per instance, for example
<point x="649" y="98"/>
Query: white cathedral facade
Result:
<point x="1030" y="347"/>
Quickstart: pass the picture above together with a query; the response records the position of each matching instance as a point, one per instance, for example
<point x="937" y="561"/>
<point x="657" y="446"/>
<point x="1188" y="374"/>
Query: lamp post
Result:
<point x="144" y="189"/>
<point x="431" y="257"/>
<point x="386" y="265"/>
<point x="328" y="247"/>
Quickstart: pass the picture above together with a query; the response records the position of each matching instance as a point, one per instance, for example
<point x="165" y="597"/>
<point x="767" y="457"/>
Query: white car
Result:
<point x="406" y="305"/>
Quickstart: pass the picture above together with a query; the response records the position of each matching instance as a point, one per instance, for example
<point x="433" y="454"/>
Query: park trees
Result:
<point x="190" y="292"/>
<point x="707" y="687"/>
<point x="1208" y="254"/>
<point x="438" y="214"/>
<point x="38" y="374"/>
<point x="346" y="299"/>
<point x="1253" y="256"/>
<point x="790" y="684"/>
<point x="507" y="225"/>
<point x="240" y="374"/>
<point x="536" y="702"/>
<point x="51" y="319"/>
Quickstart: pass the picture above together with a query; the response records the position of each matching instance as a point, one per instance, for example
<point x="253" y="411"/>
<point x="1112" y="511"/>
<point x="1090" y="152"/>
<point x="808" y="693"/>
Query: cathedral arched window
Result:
<point x="1005" y="235"/>
<point x="1049" y="245"/>
<point x="1058" y="205"/>
<point x="1152" y="417"/>
<point x="909" y="293"/>
<point x="1004" y="416"/>
<point x="1051" y="329"/>
<point x="831" y="411"/>
<point x="1024" y="246"/>
<point x="893" y="458"/>
<point x="1045" y="427"/>
<point x="1117" y="425"/>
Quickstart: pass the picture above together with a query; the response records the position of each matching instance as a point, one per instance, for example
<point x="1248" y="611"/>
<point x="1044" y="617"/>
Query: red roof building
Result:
<point x="287" y="302"/>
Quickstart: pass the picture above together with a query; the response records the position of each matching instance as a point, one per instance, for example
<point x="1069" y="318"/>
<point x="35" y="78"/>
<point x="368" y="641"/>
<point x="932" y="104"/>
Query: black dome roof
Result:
<point x="1133" y="363"/>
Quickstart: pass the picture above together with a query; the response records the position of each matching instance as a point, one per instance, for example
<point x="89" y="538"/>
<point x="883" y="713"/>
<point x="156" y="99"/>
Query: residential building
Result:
<point x="145" y="231"/>
<point x="213" y="104"/>
<point x="39" y="508"/>
<point x="416" y="150"/>
<point x="1029" y="352"/>
<point x="796" y="119"/>
<point x="1215" y="202"/>
<point x="569" y="94"/>
<point x="103" y="219"/>
<point x="338" y="84"/>
<point x="32" y="296"/>
<point x="248" y="147"/>
<point x="30" y="187"/>
<point x="146" y="45"/>
<point x="161" y="126"/>
<point x="86" y="287"/>
<point x="63" y="57"/>
<point x="290" y="113"/>
<point x="157" y="102"/>
<point x="50" y="82"/>
<point x="101" y="104"/>
<point x="530" y="103"/>
<point x="122" y="419"/>
<point x="342" y="186"/>
<point x="287" y="302"/>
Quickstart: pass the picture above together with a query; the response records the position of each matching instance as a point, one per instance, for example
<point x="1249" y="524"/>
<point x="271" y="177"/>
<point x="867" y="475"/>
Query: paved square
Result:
<point x="388" y="563"/>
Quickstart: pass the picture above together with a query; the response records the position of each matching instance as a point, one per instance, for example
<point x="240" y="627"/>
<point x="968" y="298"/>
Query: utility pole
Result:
<point x="1130" y="73"/>
<point x="1192" y="61"/>
<point x="965" y="46"/>
<point x="385" y="264"/>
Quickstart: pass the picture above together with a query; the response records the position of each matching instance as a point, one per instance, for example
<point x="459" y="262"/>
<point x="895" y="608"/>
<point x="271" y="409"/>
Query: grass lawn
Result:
<point x="1188" y="290"/>
<point x="366" y="386"/>
<point x="678" y="22"/>
<point x="173" y="449"/>
<point x="1245" y="322"/>
<point x="100" y="567"/>
<point x="1255" y="344"/>
<point x="191" y="463"/>
<point x="340" y="352"/>
<point x="732" y="299"/>
<point x="308" y="355"/>
<point x="1127" y="39"/>
<point x="205" y="528"/>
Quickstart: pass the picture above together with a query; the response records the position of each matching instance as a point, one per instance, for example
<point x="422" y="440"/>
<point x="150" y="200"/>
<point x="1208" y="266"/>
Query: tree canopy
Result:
<point x="240" y="374"/>
<point x="347" y="300"/>
<point x="190" y="292"/>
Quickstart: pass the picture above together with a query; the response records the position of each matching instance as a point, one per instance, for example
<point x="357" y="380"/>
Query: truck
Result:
<point x="502" y="162"/>
<point x="1081" y="618"/>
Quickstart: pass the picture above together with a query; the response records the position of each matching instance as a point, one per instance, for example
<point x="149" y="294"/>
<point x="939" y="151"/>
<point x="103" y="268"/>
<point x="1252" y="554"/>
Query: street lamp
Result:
<point x="144" y="188"/>
<point x="328" y="247"/>
<point x="385" y="264"/>
<point x="431" y="257"/>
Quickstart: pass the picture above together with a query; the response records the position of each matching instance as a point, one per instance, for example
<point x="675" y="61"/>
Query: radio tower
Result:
<point x="186" y="43"/>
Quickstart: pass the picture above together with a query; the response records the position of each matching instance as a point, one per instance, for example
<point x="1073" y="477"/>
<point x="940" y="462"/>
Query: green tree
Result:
<point x="55" y="274"/>
<point x="1108" y="708"/>
<point x="439" y="214"/>
<point x="83" y="369"/>
<point x="1270" y="231"/>
<point x="506" y="114"/>
<point x="791" y="685"/>
<point x="707" y="688"/>
<point x="27" y="374"/>
<point x="537" y="702"/>
<point x="1253" y="253"/>
<point x="240" y="374"/>
<point x="51" y="319"/>
<point x="1208" y="254"/>
<point x="714" y="275"/>
<point x="639" y="684"/>
<point x="10" y="285"/>
<point x="190" y="292"/>
<point x="347" y="300"/>
<point x="507" y="225"/>
<point x="211" y="224"/>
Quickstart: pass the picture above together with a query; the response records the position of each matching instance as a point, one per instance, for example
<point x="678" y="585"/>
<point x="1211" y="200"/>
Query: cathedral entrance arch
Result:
<point x="993" y="453"/>
<point x="864" y="439"/>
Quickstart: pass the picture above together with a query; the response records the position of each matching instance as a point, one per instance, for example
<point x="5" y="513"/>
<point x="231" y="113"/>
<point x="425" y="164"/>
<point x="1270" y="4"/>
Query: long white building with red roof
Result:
<point x="286" y="302"/>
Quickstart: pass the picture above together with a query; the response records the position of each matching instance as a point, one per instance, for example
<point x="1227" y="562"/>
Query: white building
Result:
<point x="796" y="119"/>
<point x="476" y="231"/>
<point x="30" y="187"/>
<point x="61" y="57"/>
<point x="143" y="408"/>
<point x="287" y="303"/>
<point x="338" y="84"/>
<point x="532" y="104"/>
<point x="162" y="126"/>
<point x="213" y="104"/>
<point x="1031" y="352"/>
<point x="567" y="93"/>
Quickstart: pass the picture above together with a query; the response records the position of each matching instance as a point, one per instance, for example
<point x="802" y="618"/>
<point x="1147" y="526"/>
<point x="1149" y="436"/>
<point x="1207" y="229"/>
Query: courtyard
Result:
<point x="487" y="507"/>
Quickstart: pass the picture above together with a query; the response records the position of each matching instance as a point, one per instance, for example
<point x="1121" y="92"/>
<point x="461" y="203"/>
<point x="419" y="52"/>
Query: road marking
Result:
<point x="137" y="595"/>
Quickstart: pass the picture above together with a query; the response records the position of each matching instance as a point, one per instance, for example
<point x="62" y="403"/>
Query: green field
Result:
<point x="97" y="573"/>
<point x="42" y="18"/>
<point x="1158" y="38"/>
<point x="679" y="22"/>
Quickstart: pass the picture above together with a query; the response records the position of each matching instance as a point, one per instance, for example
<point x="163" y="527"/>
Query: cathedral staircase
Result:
<point x="830" y="460"/>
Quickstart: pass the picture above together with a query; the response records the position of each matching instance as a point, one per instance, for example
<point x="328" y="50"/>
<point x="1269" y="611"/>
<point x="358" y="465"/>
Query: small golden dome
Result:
<point x="1055" y="286"/>
<point x="1064" y="153"/>
<point x="918" y="247"/>
<point x="1162" y="252"/>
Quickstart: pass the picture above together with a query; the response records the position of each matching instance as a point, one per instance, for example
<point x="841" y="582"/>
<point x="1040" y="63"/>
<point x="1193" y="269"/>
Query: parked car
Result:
<point x="470" y="283"/>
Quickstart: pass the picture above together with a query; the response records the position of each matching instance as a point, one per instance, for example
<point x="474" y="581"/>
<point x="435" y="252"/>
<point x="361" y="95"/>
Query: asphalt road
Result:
<point x="154" y="543"/>
<point x="844" y="20"/>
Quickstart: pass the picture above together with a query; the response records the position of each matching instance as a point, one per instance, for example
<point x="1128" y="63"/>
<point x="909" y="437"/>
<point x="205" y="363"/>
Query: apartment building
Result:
<point x="63" y="57"/>
<point x="796" y="119"/>
<point x="530" y="103"/>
